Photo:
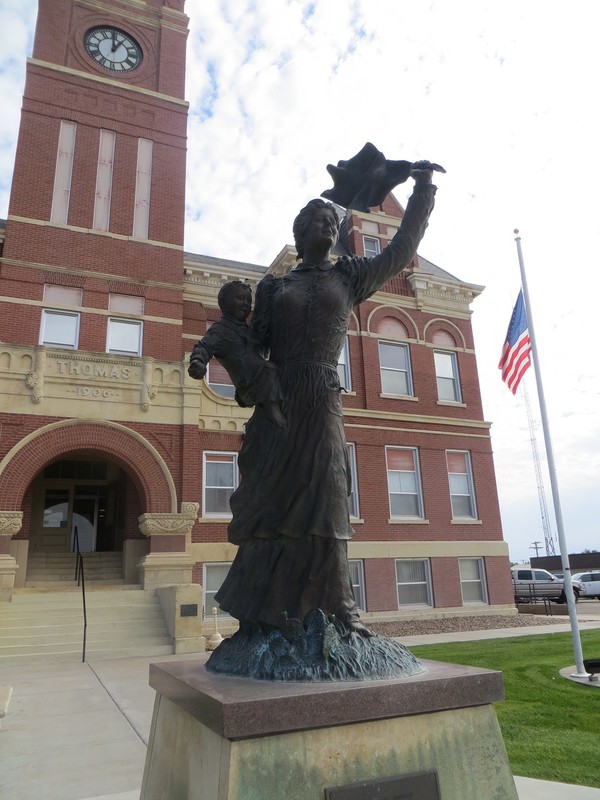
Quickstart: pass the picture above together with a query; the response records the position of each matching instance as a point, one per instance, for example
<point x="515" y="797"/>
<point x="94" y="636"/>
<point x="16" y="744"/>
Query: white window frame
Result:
<point x="63" y="173"/>
<point x="343" y="366"/>
<point x="112" y="324"/>
<point x="357" y="576"/>
<point x="424" y="583"/>
<point x="405" y="371"/>
<point x="47" y="313"/>
<point x="480" y="580"/>
<point x="372" y="246"/>
<point x="104" y="178"/>
<point x="416" y="472"/>
<point x="226" y="390"/>
<point x="209" y="594"/>
<point x="143" y="189"/>
<point x="353" y="504"/>
<point x="445" y="380"/>
<point x="466" y="478"/>
<point x="205" y="460"/>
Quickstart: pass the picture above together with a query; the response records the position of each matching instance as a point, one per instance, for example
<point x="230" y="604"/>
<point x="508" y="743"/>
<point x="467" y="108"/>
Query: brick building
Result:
<point x="102" y="429"/>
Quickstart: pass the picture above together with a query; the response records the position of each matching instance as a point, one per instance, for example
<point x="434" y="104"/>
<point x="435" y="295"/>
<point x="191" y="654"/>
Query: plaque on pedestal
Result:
<point x="423" y="786"/>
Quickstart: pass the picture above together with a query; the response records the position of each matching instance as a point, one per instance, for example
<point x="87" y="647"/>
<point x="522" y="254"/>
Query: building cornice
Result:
<point x="437" y="295"/>
<point x="202" y="280"/>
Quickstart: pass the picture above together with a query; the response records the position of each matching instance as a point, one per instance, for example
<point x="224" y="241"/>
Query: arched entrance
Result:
<point x="87" y="497"/>
<point x="98" y="477"/>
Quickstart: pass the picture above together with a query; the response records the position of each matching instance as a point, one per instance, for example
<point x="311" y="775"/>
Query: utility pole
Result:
<point x="536" y="546"/>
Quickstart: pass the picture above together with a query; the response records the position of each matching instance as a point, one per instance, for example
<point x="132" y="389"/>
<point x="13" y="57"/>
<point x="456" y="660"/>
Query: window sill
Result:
<point x="205" y="519"/>
<point x="407" y="521"/>
<point x="454" y="403"/>
<point x="466" y="521"/>
<point x="347" y="392"/>
<point x="409" y="397"/>
<point x="357" y="521"/>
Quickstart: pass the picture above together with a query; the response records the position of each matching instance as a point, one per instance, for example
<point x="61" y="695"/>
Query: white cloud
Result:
<point x="17" y="18"/>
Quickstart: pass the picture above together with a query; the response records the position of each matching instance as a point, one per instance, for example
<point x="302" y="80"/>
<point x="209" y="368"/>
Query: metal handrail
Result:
<point x="533" y="597"/>
<point x="80" y="578"/>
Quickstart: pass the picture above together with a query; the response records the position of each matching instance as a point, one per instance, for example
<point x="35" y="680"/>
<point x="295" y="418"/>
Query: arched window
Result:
<point x="446" y="368"/>
<point x="391" y="327"/>
<point x="443" y="339"/>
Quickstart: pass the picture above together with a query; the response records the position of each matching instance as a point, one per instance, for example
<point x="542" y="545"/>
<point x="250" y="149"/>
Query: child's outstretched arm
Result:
<point x="199" y="358"/>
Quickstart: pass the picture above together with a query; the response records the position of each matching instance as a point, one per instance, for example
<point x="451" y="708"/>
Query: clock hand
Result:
<point x="114" y="41"/>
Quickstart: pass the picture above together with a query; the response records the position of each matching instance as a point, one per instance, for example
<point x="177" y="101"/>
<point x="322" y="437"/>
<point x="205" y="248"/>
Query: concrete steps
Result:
<point x="47" y="625"/>
<point x="49" y="568"/>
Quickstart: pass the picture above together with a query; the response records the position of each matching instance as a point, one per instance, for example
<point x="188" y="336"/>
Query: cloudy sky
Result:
<point x="503" y="94"/>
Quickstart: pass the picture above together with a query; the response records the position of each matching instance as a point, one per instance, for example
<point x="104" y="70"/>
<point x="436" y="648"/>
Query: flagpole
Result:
<point x="562" y="542"/>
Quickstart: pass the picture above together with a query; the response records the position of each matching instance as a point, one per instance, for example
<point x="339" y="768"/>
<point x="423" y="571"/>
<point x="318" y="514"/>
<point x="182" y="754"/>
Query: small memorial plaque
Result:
<point x="419" y="786"/>
<point x="189" y="609"/>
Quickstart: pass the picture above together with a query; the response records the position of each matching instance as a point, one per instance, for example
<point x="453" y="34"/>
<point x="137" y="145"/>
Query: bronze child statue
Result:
<point x="233" y="343"/>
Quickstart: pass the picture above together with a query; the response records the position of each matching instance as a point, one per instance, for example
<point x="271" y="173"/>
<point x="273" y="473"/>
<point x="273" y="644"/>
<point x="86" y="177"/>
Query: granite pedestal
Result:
<point x="221" y="738"/>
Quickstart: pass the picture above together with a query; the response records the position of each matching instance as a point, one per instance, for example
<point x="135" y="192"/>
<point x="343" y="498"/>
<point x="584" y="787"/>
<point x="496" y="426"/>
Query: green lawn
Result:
<point x="551" y="726"/>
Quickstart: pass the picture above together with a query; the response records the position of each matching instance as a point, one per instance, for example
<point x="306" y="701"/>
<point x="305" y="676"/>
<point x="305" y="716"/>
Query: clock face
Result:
<point x="113" y="49"/>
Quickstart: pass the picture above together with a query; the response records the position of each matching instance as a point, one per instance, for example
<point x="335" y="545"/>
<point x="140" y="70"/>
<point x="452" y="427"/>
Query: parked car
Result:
<point x="590" y="582"/>
<point x="533" y="584"/>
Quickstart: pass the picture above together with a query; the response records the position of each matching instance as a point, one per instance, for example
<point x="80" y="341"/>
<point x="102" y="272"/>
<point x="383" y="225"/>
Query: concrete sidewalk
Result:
<point x="79" y="731"/>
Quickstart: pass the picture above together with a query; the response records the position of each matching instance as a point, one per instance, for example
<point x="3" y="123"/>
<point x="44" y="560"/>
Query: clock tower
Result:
<point x="93" y="411"/>
<point x="99" y="178"/>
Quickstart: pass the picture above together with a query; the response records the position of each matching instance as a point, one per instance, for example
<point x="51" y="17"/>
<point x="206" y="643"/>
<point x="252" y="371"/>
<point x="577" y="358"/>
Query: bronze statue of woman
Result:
<point x="290" y="512"/>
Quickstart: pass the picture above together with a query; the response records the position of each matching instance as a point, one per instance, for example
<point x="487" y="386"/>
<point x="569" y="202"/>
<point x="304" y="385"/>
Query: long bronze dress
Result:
<point x="290" y="512"/>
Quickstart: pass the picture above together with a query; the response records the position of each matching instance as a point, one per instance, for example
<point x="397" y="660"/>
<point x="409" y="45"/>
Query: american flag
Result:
<point x="516" y="351"/>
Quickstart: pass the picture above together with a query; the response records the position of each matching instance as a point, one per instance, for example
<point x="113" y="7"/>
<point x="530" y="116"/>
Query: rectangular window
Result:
<point x="404" y="484"/>
<point x="143" y="182"/>
<point x="126" y="304"/>
<point x="357" y="576"/>
<point x="372" y="246"/>
<point x="64" y="170"/>
<point x="446" y="375"/>
<point x="394" y="361"/>
<point x="104" y="176"/>
<point x="214" y="575"/>
<point x="343" y="367"/>
<point x="413" y="581"/>
<point x="353" y="509"/>
<point x="62" y="295"/>
<point x="220" y="480"/>
<point x="124" y="337"/>
<point x="460" y="478"/>
<point x="59" y="329"/>
<point x="472" y="580"/>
